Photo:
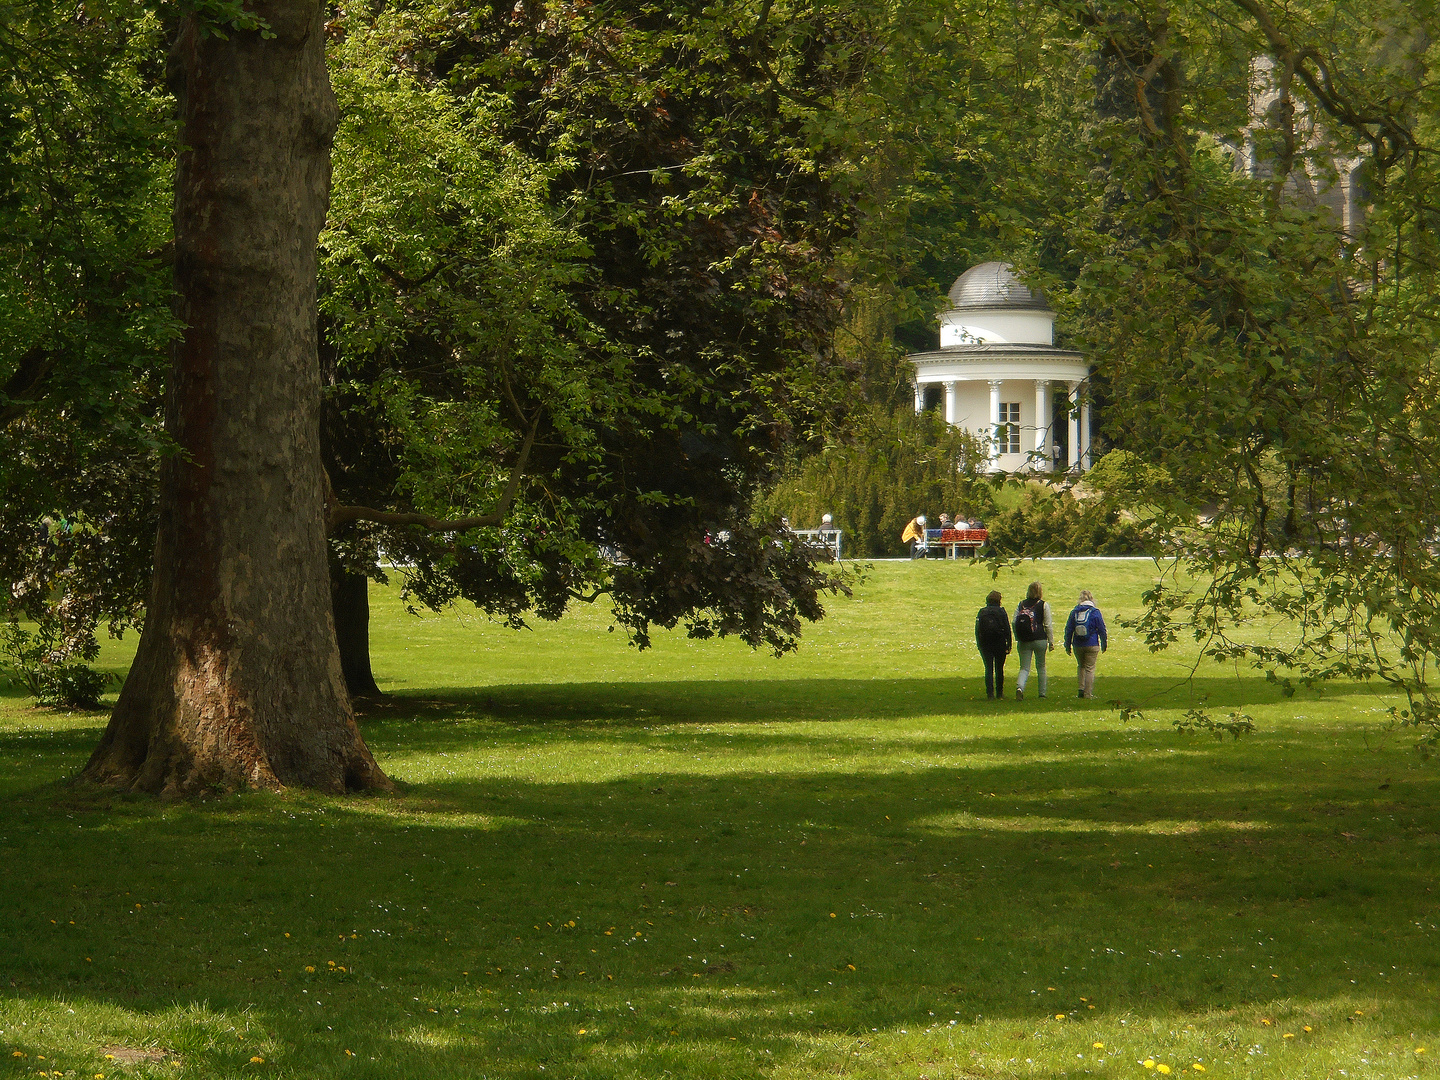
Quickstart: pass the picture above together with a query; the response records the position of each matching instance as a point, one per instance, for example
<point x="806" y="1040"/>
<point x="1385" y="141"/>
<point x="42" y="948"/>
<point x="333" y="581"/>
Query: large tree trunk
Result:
<point x="237" y="681"/>
<point x="351" y="596"/>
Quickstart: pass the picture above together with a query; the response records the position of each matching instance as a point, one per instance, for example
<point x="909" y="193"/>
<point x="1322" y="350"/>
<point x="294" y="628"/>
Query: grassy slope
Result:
<point x="844" y="862"/>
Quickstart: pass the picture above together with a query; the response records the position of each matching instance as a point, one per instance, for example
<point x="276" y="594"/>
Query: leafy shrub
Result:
<point x="1047" y="521"/>
<point x="47" y="676"/>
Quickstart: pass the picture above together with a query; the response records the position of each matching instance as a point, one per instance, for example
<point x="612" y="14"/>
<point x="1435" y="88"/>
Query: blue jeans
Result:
<point x="994" y="673"/>
<point x="1038" y="650"/>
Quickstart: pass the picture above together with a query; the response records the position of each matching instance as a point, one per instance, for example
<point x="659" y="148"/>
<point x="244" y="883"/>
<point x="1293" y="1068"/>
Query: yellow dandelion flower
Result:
<point x="850" y="966"/>
<point x="1305" y="1028"/>
<point x="580" y="1032"/>
<point x="1097" y="1046"/>
<point x="257" y="1060"/>
<point x="832" y="914"/>
<point x="310" y="968"/>
<point x="1149" y="1063"/>
<point x="1163" y="1070"/>
<point x="1419" y="1049"/>
<point x="1198" y="1067"/>
<point x="331" y="963"/>
<point x="349" y="1053"/>
<point x="18" y="1053"/>
<point x="287" y="935"/>
<point x="1059" y="1016"/>
<point x="1288" y="1035"/>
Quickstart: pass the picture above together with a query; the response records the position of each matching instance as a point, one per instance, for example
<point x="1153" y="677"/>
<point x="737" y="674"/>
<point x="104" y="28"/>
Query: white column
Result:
<point x="1042" y="425"/>
<point x="919" y="397"/>
<point x="952" y="407"/>
<point x="1085" y="431"/>
<point x="994" y="425"/>
<point x="1073" y="401"/>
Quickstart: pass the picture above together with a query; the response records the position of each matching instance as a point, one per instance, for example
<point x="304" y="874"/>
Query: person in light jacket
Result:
<point x="1085" y="633"/>
<point x="1034" y="637"/>
<point x="914" y="535"/>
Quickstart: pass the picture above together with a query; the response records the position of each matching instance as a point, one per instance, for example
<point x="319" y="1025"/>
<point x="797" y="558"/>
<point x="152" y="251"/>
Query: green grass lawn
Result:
<point x="702" y="862"/>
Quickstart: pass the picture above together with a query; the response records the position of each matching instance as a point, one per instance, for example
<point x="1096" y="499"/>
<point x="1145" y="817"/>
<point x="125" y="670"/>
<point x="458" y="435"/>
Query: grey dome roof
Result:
<point x="993" y="285"/>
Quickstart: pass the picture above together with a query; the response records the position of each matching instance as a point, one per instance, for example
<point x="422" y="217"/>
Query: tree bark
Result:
<point x="237" y="681"/>
<point x="351" y="594"/>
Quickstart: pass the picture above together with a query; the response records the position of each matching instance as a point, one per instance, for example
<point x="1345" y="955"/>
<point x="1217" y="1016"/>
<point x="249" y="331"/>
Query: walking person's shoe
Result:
<point x="1019" y="694"/>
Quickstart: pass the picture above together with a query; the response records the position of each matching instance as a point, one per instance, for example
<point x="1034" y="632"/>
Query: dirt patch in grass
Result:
<point x="137" y="1055"/>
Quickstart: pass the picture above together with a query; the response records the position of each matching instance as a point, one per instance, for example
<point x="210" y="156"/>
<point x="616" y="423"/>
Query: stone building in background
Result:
<point x="999" y="374"/>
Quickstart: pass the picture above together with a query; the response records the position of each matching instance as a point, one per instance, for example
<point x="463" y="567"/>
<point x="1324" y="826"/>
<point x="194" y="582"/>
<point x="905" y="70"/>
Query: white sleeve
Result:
<point x="1049" y="625"/>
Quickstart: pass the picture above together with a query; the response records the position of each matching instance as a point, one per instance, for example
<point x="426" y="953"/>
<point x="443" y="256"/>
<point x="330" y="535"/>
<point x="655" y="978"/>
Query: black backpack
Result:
<point x="993" y="624"/>
<point x="1030" y="621"/>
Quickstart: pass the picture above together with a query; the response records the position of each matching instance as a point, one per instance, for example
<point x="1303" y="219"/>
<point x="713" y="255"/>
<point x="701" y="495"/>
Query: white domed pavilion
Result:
<point x="998" y="373"/>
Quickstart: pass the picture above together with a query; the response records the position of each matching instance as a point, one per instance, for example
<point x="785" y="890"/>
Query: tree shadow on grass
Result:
<point x="731" y="700"/>
<point x="783" y="910"/>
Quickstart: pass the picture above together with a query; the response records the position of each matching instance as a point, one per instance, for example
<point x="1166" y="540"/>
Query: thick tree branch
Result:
<point x="395" y="275"/>
<point x="339" y="514"/>
<point x="1375" y="127"/>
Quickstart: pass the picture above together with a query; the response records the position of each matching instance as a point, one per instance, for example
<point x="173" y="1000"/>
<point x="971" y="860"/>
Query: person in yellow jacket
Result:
<point x="914" y="535"/>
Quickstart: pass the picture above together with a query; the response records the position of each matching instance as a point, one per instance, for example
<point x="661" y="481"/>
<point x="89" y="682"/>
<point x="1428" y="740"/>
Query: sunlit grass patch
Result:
<point x="1036" y="824"/>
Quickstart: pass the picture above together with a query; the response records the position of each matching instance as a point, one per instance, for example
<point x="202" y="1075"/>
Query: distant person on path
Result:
<point x="992" y="638"/>
<point x="914" y="535"/>
<point x="1085" y="632"/>
<point x="1034" y="636"/>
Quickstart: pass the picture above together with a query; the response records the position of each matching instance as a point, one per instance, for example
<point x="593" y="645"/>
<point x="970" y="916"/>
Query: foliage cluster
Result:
<point x="581" y="273"/>
<point x="898" y="466"/>
<point x="1265" y="345"/>
<point x="85" y="166"/>
<point x="1046" y="520"/>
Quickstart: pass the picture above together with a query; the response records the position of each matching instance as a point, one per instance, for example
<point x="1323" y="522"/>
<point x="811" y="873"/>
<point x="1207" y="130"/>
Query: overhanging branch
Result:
<point x="339" y="514"/>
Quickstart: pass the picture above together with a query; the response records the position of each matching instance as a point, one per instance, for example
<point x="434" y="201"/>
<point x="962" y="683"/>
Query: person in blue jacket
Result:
<point x="1085" y="633"/>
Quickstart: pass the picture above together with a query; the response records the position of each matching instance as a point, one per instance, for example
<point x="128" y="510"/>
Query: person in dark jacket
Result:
<point x="993" y="639"/>
<point x="1085" y="633"/>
